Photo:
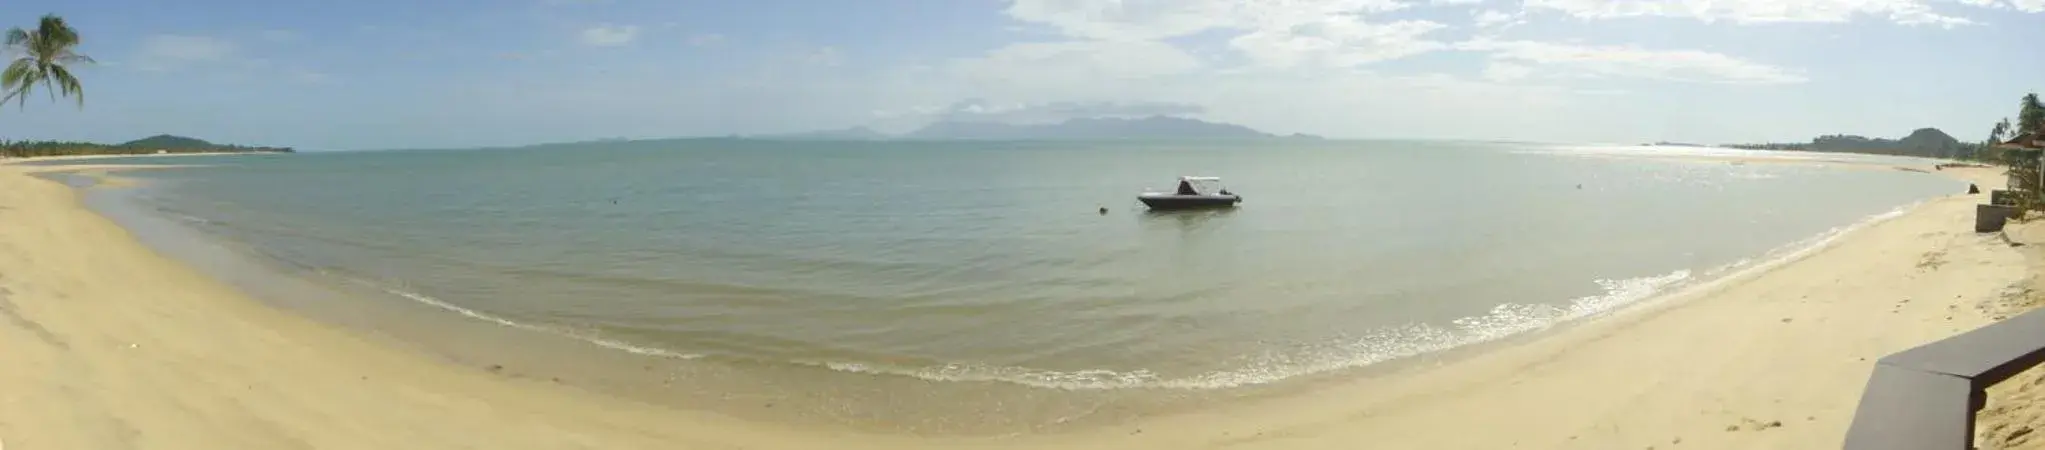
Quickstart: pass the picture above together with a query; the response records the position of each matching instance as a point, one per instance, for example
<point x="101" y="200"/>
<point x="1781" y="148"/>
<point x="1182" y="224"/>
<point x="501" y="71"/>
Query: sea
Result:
<point x="982" y="288"/>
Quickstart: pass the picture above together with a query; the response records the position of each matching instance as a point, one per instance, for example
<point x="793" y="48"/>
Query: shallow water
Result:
<point x="981" y="274"/>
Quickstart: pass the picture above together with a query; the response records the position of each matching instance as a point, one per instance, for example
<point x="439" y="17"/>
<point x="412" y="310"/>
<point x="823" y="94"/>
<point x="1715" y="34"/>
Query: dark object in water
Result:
<point x="1104" y="210"/>
<point x="1972" y="189"/>
<point x="1191" y="195"/>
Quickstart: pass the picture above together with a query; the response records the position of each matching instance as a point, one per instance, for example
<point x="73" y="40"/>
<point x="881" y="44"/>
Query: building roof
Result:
<point x="2033" y="140"/>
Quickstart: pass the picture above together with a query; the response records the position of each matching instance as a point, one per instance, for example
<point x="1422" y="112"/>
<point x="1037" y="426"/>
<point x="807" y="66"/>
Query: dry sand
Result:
<point x="2015" y="412"/>
<point x="104" y="344"/>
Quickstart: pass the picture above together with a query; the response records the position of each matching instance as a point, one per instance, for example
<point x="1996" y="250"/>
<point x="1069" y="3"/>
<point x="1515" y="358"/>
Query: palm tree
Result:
<point x="44" y="54"/>
<point x="2030" y="115"/>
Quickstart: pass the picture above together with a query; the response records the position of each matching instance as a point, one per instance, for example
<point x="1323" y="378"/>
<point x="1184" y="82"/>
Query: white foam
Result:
<point x="478" y="315"/>
<point x="1370" y="348"/>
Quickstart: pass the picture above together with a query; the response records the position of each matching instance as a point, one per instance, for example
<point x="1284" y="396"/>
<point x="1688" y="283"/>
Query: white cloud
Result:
<point x="1626" y="61"/>
<point x="1337" y="41"/>
<point x="1132" y="19"/>
<point x="1495" y="18"/>
<point x="707" y="40"/>
<point x="2029" y="6"/>
<point x="1062" y="63"/>
<point x="1909" y="12"/>
<point x="172" y="51"/>
<point x="1291" y="67"/>
<point x="1320" y="100"/>
<point x="1505" y="71"/>
<point x="1283" y="33"/>
<point x="610" y="35"/>
<point x="1157" y="19"/>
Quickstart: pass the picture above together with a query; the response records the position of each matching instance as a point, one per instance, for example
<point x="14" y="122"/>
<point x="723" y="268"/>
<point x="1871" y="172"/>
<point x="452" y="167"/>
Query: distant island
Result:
<point x="1925" y="142"/>
<point x="1106" y="128"/>
<point x="848" y="134"/>
<point x="159" y="144"/>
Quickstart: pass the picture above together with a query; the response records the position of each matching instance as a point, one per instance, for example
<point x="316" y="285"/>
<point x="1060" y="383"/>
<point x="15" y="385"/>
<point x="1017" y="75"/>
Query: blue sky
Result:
<point x="366" y="74"/>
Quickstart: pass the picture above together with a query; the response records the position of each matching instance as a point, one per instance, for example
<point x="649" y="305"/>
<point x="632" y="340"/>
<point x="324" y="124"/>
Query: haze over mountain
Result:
<point x="1093" y="128"/>
<point x="847" y="134"/>
<point x="1153" y="127"/>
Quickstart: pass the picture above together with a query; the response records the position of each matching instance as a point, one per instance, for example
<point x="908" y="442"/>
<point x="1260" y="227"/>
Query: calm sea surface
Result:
<point x="905" y="275"/>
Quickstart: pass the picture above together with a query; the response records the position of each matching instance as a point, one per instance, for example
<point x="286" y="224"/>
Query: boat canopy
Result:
<point x="1190" y="185"/>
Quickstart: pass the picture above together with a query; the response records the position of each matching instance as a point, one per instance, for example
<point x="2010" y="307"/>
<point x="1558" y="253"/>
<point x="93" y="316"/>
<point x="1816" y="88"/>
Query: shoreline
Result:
<point x="36" y="159"/>
<point x="1336" y="410"/>
<point x="169" y="358"/>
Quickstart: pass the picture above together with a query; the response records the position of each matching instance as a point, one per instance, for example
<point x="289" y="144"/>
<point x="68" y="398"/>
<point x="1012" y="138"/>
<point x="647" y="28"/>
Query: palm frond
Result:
<point x="20" y="94"/>
<point x="16" y="74"/>
<point x="19" y="80"/>
<point x="17" y="37"/>
<point x="67" y="84"/>
<point x="57" y="33"/>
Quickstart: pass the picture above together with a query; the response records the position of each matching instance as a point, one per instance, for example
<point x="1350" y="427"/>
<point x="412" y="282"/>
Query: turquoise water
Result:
<point x="907" y="269"/>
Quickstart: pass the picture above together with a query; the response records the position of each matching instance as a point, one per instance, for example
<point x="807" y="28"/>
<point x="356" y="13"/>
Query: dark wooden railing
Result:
<point x="1925" y="398"/>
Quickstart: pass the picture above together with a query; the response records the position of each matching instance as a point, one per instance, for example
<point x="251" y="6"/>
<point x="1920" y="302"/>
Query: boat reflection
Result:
<point x="1187" y="220"/>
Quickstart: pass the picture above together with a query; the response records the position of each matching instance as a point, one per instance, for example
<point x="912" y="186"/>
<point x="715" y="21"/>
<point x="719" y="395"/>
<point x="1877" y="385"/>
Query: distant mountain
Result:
<point x="1925" y="142"/>
<point x="848" y="134"/>
<point x="1154" y="127"/>
<point x="181" y="144"/>
<point x="1929" y="141"/>
<point x="167" y="141"/>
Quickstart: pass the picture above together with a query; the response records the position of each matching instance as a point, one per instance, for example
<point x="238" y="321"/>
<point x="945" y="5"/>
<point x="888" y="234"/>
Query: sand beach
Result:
<point x="107" y="344"/>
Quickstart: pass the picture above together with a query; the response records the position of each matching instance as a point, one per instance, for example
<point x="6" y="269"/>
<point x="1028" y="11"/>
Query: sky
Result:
<point x="380" y="74"/>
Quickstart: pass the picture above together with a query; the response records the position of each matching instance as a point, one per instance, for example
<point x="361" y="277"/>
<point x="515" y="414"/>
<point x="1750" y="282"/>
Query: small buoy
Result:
<point x="1104" y="210"/>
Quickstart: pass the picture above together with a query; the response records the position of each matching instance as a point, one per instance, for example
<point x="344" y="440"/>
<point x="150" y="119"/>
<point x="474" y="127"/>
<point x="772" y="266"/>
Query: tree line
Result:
<point x="28" y="149"/>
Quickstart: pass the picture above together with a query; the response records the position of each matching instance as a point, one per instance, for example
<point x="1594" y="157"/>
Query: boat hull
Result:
<point x="1169" y="201"/>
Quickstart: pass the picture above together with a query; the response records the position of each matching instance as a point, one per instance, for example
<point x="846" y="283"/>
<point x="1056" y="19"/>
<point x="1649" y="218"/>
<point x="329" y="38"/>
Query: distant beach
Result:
<point x="1771" y="353"/>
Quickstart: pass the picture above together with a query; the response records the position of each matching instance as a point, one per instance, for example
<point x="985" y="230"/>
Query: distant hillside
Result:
<point x="1155" y="127"/>
<point x="181" y="144"/>
<point x="167" y="141"/>
<point x="1924" y="142"/>
<point x="848" y="134"/>
<point x="145" y="146"/>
